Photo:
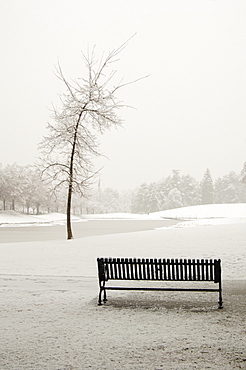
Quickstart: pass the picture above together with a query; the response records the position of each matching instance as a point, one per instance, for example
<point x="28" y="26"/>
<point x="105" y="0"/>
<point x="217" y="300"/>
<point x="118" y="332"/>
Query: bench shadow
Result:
<point x="133" y="301"/>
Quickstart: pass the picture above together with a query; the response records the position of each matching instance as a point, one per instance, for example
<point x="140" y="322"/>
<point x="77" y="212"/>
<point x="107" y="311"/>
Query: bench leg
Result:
<point x="100" y="297"/>
<point x="220" y="302"/>
<point x="105" y="296"/>
<point x="220" y="297"/>
<point x="102" y="289"/>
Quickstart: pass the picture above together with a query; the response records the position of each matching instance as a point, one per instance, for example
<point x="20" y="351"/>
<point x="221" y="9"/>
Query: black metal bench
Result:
<point x="158" y="270"/>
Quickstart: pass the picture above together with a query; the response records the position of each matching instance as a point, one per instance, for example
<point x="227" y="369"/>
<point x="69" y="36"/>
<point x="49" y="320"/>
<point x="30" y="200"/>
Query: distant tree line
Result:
<point x="22" y="189"/>
<point x="182" y="190"/>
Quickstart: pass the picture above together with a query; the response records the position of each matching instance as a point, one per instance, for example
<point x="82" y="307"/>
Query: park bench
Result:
<point x="177" y="270"/>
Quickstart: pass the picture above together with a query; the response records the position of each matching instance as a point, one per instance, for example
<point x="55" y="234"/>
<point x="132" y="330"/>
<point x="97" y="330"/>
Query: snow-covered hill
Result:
<point x="13" y="218"/>
<point x="234" y="210"/>
<point x="195" y="215"/>
<point x="210" y="214"/>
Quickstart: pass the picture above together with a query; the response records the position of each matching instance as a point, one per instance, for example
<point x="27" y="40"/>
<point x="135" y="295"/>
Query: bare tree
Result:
<point x="88" y="107"/>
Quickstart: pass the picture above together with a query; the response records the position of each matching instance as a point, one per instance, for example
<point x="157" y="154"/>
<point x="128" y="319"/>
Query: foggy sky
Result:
<point x="190" y="113"/>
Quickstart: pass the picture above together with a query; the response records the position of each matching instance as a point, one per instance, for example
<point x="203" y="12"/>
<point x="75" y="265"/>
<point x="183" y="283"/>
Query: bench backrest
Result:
<point x="159" y="269"/>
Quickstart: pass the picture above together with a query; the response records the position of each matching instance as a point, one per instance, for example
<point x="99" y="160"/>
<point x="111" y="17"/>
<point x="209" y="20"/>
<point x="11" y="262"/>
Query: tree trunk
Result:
<point x="69" y="201"/>
<point x="28" y="207"/>
<point x="70" y="186"/>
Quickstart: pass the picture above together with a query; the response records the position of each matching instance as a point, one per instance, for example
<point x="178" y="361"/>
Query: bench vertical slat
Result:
<point x="189" y="266"/>
<point x="217" y="271"/>
<point x="131" y="269"/>
<point x="168" y="266"/>
<point x="104" y="260"/>
<point x="111" y="269"/>
<point x="211" y="270"/>
<point x="151" y="269"/>
<point x="194" y="270"/>
<point x="118" y="267"/>
<point x="109" y="265"/>
<point x="100" y="269"/>
<point x="128" y="272"/>
<point x="207" y="270"/>
<point x="172" y="270"/>
<point x="115" y="269"/>
<point x="156" y="269"/>
<point x="181" y="265"/>
<point x="152" y="274"/>
<point x="110" y="274"/>
<point x="185" y="270"/>
<point x="135" y="269"/>
<point x="147" y="271"/>
<point x="123" y="268"/>
<point x="147" y="268"/>
<point x="202" y="270"/>
<point x="177" y="269"/>
<point x="198" y="270"/>
<point x="165" y="269"/>
<point x="127" y="269"/>
<point x="160" y="269"/>
<point x="106" y="268"/>
<point x="144" y="269"/>
<point x="139" y="269"/>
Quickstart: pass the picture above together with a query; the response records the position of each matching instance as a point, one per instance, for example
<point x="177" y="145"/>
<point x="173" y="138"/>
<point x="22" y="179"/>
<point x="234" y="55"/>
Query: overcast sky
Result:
<point x="190" y="113"/>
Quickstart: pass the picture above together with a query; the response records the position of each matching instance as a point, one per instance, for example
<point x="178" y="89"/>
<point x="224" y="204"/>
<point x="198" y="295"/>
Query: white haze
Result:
<point x="190" y="112"/>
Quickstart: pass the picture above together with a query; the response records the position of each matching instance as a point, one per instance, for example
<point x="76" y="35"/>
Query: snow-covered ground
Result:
<point x="223" y="237"/>
<point x="211" y="213"/>
<point x="49" y="318"/>
<point x="13" y="218"/>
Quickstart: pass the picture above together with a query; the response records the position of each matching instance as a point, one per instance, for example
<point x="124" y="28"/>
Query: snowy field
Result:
<point x="216" y="231"/>
<point x="49" y="318"/>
